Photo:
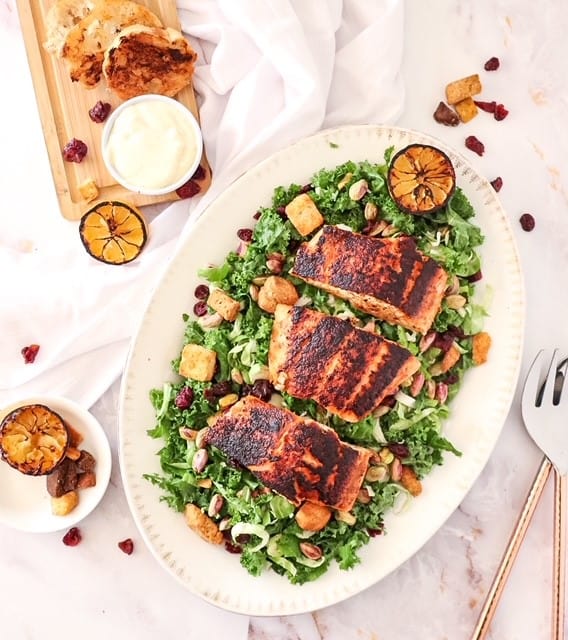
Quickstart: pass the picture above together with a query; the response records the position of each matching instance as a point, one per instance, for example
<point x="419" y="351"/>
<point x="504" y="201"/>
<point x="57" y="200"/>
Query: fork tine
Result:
<point x="550" y="383"/>
<point x="532" y="384"/>
<point x="563" y="368"/>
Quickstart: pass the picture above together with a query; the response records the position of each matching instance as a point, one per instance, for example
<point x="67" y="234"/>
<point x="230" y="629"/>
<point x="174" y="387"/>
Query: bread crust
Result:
<point x="87" y="41"/>
<point x="62" y="16"/>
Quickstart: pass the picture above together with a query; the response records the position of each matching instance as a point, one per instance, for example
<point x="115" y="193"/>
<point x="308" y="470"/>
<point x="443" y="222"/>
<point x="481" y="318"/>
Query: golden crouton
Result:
<point x="466" y="109"/>
<point x="409" y="480"/>
<point x="89" y="190"/>
<point x="225" y="306"/>
<point x="72" y="453"/>
<point x="464" y="88"/>
<point x="450" y="358"/>
<point x="202" y="524"/>
<point x="312" y="517"/>
<point x="276" y="290"/>
<point x="197" y="363"/>
<point x="481" y="346"/>
<point x="64" y="504"/>
<point x="303" y="214"/>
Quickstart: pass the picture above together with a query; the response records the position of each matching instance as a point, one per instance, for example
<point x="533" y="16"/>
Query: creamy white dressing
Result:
<point x="152" y="145"/>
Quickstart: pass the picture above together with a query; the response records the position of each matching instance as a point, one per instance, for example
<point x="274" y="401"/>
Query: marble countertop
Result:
<point x="50" y="591"/>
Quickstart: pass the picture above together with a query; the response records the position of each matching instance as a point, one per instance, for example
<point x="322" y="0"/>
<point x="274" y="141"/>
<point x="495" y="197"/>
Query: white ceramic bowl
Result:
<point x="188" y="145"/>
<point x="24" y="501"/>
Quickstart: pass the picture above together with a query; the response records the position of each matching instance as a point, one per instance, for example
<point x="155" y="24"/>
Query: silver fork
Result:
<point x="545" y="415"/>
<point x="544" y="408"/>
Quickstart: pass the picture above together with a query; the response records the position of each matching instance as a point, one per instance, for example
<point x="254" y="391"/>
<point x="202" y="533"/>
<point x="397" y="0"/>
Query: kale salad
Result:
<point x="405" y="433"/>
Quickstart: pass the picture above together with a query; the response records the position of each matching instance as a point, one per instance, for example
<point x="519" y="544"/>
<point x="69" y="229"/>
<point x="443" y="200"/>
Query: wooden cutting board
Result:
<point x="64" y="106"/>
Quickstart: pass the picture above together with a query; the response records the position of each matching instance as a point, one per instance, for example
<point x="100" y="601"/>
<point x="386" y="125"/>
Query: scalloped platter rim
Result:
<point x="474" y="426"/>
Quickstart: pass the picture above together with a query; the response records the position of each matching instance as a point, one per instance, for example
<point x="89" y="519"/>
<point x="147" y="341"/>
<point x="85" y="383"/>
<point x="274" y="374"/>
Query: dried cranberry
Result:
<point x="72" y="537"/>
<point x="75" y="150"/>
<point x="100" y="111"/>
<point x="201" y="292"/>
<point x="443" y="341"/>
<point x="527" y="222"/>
<point x="497" y="184"/>
<point x="451" y="378"/>
<point x="199" y="173"/>
<point x="281" y="211"/>
<point x="184" y="398"/>
<point x="243" y="538"/>
<point x="257" y="215"/>
<point x="456" y="332"/>
<point x="126" y="546"/>
<point x="475" y="277"/>
<point x="200" y="308"/>
<point x="245" y="235"/>
<point x="500" y="112"/>
<point x="231" y="547"/>
<point x="473" y="144"/>
<point x="400" y="450"/>
<point x="492" y="64"/>
<point x="306" y="188"/>
<point x="262" y="389"/>
<point x="220" y="389"/>
<point x="489" y="107"/>
<point x="374" y="532"/>
<point x="30" y="353"/>
<point x="188" y="190"/>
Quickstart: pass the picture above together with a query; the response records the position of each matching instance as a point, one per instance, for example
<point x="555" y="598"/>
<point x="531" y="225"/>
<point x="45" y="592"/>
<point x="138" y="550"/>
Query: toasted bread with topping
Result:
<point x="86" y="43"/>
<point x="61" y="18"/>
<point x="144" y="59"/>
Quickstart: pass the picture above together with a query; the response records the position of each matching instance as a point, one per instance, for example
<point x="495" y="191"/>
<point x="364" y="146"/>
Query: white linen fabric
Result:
<point x="269" y="73"/>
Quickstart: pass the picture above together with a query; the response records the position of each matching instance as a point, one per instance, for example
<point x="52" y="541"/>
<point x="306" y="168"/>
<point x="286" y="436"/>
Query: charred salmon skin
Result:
<point x="294" y="456"/>
<point x="389" y="278"/>
<point x="348" y="371"/>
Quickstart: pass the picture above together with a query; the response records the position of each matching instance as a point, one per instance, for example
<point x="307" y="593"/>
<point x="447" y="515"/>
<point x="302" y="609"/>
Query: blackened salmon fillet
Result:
<point x="348" y="371"/>
<point x="294" y="456"/>
<point x="389" y="278"/>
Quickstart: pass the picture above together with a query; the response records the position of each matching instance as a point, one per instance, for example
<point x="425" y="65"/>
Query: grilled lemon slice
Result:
<point x="113" y="232"/>
<point x="33" y="439"/>
<point x="421" y="179"/>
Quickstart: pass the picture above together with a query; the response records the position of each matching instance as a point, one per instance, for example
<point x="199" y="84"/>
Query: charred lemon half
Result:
<point x="421" y="179"/>
<point x="113" y="232"/>
<point x="33" y="439"/>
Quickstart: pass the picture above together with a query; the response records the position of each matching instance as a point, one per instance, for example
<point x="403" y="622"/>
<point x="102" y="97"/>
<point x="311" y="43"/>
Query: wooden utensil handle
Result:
<point x="513" y="546"/>
<point x="559" y="556"/>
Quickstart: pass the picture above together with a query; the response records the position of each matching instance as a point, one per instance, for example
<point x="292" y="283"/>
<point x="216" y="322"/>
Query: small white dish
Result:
<point x="24" y="501"/>
<point x="152" y="144"/>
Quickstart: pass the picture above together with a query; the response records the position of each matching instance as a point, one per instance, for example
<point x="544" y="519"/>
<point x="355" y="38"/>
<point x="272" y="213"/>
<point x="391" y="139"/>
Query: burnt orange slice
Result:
<point x="113" y="232"/>
<point x="421" y="179"/>
<point x="33" y="439"/>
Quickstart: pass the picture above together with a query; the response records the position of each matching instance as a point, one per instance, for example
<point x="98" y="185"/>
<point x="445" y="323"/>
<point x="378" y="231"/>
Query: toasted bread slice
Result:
<point x="87" y="41"/>
<point x="61" y="18"/>
<point x="145" y="59"/>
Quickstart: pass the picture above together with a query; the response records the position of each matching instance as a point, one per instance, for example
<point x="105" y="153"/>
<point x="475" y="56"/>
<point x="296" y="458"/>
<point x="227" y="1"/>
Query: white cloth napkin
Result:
<point x="269" y="73"/>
